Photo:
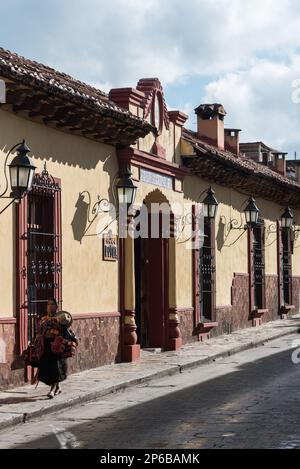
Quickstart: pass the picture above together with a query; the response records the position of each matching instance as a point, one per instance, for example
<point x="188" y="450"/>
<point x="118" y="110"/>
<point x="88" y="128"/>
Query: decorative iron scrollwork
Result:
<point x="40" y="267"/>
<point x="44" y="182"/>
<point x="33" y="267"/>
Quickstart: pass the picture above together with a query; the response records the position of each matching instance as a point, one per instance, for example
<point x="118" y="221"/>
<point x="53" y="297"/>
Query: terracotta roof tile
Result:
<point x="238" y="163"/>
<point x="40" y="76"/>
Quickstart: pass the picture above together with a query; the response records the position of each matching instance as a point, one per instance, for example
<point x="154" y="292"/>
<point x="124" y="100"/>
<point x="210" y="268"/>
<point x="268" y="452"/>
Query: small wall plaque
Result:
<point x="110" y="247"/>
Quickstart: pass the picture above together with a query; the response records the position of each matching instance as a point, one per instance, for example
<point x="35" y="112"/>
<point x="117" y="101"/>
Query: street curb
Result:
<point x="172" y="370"/>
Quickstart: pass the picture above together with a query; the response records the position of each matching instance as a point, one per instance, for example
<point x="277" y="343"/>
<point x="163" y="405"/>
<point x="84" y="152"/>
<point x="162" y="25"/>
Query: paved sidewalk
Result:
<point x="24" y="403"/>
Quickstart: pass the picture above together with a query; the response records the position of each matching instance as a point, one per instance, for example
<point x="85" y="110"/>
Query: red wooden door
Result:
<point x="152" y="286"/>
<point x="157" y="290"/>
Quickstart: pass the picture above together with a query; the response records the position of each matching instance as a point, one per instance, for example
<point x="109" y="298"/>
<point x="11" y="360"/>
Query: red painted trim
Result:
<point x="166" y="279"/>
<point x="146" y="160"/>
<point x="207" y="325"/>
<point x="8" y="320"/>
<point x="195" y="264"/>
<point x="178" y="117"/>
<point x="279" y="269"/>
<point x="291" y="251"/>
<point x="21" y="275"/>
<point x="58" y="229"/>
<point x="150" y="86"/>
<point x="263" y="239"/>
<point x="122" y="293"/>
<point x="158" y="149"/>
<point x="213" y="263"/>
<point x="159" y="96"/>
<point x="250" y="270"/>
<point x="79" y="316"/>
<point x="126" y="96"/>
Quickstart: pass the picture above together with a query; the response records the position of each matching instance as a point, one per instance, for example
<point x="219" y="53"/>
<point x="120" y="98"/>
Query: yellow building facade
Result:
<point x="196" y="276"/>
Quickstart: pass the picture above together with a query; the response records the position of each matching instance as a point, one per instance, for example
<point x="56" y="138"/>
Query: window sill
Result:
<point x="285" y="310"/>
<point x="258" y="313"/>
<point x="204" y="329"/>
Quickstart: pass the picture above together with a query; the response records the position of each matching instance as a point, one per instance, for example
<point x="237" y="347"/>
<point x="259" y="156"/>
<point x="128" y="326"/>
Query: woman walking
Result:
<point x="52" y="368"/>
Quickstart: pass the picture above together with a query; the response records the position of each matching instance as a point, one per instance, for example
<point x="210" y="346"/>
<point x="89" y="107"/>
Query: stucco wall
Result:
<point x="89" y="167"/>
<point x="89" y="283"/>
<point x="231" y="245"/>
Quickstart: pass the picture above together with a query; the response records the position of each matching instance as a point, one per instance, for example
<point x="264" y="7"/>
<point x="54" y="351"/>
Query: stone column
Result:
<point x="131" y="350"/>
<point x="174" y="335"/>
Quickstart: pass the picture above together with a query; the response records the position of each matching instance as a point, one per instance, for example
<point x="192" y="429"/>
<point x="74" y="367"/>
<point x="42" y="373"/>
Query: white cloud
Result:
<point x="122" y="40"/>
<point x="249" y="51"/>
<point x="260" y="101"/>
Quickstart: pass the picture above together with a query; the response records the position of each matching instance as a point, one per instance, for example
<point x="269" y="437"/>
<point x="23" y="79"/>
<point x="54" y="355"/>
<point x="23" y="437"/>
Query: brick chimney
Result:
<point x="210" y="124"/>
<point x="280" y="163"/>
<point x="232" y="140"/>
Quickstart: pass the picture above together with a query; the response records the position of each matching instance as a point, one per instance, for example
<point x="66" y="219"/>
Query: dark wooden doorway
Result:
<point x="151" y="287"/>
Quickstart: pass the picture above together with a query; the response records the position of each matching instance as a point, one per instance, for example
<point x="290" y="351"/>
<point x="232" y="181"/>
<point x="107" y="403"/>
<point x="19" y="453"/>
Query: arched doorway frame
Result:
<point x="171" y="334"/>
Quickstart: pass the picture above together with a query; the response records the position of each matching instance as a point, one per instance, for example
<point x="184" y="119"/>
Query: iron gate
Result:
<point x="259" y="265"/>
<point x="207" y="273"/>
<point x="39" y="253"/>
<point x="286" y="267"/>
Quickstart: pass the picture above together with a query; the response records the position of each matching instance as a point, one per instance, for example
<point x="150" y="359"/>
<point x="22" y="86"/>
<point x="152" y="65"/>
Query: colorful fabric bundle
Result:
<point x="34" y="352"/>
<point x="63" y="347"/>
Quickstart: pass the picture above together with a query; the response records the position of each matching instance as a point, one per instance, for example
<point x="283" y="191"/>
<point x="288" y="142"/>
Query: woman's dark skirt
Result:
<point x="52" y="369"/>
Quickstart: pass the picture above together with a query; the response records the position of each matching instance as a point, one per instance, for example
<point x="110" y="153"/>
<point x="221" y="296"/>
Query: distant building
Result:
<point x="261" y="153"/>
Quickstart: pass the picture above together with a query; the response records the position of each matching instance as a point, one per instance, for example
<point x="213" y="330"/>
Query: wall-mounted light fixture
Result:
<point x="21" y="173"/>
<point x="287" y="222"/>
<point x="210" y="204"/>
<point x="251" y="213"/>
<point x="126" y="189"/>
<point x="287" y="218"/>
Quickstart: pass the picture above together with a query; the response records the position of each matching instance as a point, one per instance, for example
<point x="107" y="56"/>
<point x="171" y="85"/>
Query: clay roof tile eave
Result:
<point x="39" y="76"/>
<point x="242" y="164"/>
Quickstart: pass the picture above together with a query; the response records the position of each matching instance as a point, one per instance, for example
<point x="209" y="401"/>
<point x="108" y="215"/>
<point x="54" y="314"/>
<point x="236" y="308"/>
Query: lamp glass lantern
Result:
<point x="126" y="189"/>
<point x="251" y="213"/>
<point x="210" y="204"/>
<point x="287" y="218"/>
<point x="21" y="172"/>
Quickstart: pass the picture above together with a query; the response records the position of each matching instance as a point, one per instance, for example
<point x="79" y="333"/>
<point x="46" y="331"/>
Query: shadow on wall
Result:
<point x="84" y="215"/>
<point x="220" y="238"/>
<point x="80" y="219"/>
<point x="51" y="144"/>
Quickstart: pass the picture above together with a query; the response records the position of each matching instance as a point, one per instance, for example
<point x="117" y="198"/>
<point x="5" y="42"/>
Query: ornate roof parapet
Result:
<point x="150" y="87"/>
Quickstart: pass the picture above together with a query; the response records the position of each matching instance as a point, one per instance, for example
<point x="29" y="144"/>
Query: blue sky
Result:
<point x="245" y="55"/>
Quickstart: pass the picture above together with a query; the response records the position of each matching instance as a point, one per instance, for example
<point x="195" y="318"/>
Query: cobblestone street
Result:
<point x="249" y="400"/>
